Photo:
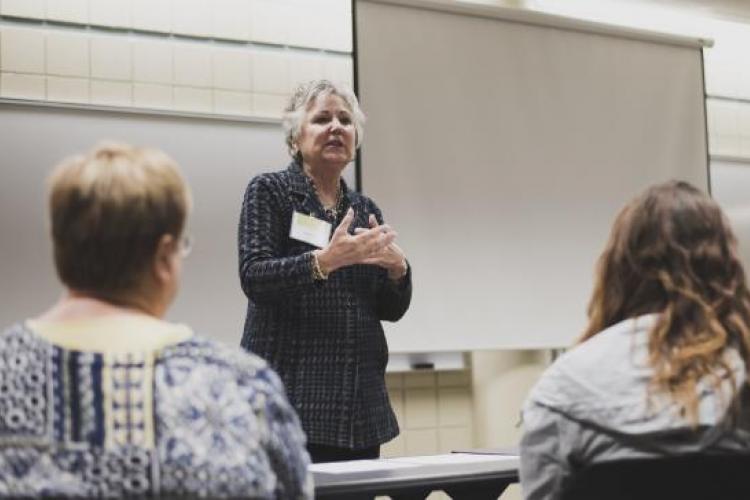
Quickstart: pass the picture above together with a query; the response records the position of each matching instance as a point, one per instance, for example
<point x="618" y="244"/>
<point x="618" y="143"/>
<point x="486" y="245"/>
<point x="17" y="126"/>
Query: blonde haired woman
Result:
<point x="99" y="396"/>
<point x="663" y="362"/>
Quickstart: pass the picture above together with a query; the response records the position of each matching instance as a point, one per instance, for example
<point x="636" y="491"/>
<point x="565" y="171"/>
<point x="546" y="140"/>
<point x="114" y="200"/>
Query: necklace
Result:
<point x="332" y="211"/>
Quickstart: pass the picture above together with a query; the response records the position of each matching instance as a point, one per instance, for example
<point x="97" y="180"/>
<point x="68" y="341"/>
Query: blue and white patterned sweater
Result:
<point x="193" y="419"/>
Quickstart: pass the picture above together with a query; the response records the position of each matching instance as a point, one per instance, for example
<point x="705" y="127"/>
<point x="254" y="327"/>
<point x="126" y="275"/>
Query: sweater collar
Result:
<point x="302" y="185"/>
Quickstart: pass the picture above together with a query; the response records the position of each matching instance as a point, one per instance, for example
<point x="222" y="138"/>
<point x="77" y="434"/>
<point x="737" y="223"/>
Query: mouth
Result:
<point x="336" y="143"/>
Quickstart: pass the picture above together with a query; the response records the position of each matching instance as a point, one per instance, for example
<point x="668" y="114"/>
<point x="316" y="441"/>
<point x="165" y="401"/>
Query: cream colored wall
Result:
<point x="233" y="57"/>
<point x="477" y="407"/>
<point x="434" y="411"/>
<point x="500" y="381"/>
<point x="447" y="410"/>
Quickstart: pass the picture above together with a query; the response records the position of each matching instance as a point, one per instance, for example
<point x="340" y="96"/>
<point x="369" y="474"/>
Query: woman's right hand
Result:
<point x="345" y="249"/>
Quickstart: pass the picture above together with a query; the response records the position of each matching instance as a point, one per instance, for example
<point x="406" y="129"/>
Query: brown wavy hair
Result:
<point x="671" y="251"/>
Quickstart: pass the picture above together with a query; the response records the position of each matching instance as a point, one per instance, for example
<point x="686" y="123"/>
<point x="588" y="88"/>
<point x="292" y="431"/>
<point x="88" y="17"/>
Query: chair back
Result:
<point x="687" y="477"/>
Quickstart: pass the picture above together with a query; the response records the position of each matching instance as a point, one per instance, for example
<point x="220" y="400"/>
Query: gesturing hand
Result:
<point x="390" y="257"/>
<point x="345" y="249"/>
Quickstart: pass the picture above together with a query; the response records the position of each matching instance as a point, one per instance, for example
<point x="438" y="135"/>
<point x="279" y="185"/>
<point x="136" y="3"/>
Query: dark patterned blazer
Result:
<point x="323" y="337"/>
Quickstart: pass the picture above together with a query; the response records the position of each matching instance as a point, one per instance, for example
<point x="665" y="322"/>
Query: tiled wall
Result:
<point x="434" y="411"/>
<point x="728" y="86"/>
<point x="234" y="57"/>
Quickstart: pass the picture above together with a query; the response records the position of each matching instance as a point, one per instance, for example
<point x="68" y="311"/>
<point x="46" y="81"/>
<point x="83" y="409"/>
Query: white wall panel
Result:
<point x="33" y="9"/>
<point x="271" y="20"/>
<point x="153" y="61"/>
<point x="271" y="72"/>
<point x="149" y="95"/>
<point x="192" y="65"/>
<point x="114" y="13"/>
<point x="109" y="93"/>
<point x="70" y="11"/>
<point x="67" y="54"/>
<point x="22" y="86"/>
<point x="111" y="58"/>
<point x="152" y="15"/>
<point x="193" y="99"/>
<point x="192" y="17"/>
<point x="227" y="102"/>
<point x="231" y="19"/>
<point x="232" y="69"/>
<point x="65" y="89"/>
<point x="22" y="50"/>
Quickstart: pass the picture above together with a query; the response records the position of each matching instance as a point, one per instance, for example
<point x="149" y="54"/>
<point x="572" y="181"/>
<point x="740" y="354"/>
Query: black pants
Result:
<point x="322" y="453"/>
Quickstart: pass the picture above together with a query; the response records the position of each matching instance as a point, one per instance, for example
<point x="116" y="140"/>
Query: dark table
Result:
<point x="458" y="475"/>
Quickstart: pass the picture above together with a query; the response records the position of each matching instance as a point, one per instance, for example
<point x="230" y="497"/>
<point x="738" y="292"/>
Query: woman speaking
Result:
<point x="321" y="270"/>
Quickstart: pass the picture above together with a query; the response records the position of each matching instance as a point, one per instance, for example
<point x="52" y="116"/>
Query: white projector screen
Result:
<point x="500" y="146"/>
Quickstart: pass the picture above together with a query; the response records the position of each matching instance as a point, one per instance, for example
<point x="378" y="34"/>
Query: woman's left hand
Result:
<point x="391" y="257"/>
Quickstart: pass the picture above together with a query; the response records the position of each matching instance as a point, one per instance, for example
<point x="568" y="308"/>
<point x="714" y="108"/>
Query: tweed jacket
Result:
<point x="194" y="419"/>
<point x="323" y="337"/>
<point x="592" y="406"/>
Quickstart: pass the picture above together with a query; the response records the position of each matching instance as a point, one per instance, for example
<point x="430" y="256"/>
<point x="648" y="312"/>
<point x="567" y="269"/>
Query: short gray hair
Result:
<point x="301" y="99"/>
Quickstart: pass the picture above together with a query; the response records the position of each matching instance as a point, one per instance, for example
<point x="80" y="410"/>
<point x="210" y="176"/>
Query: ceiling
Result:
<point x="734" y="9"/>
<point x="738" y="10"/>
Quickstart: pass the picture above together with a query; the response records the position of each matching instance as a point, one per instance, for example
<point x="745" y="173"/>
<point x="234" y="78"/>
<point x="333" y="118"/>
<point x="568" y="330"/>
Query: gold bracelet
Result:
<point x="317" y="272"/>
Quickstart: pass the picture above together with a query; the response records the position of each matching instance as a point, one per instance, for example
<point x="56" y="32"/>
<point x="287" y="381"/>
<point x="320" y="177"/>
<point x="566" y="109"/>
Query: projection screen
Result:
<point x="501" y="144"/>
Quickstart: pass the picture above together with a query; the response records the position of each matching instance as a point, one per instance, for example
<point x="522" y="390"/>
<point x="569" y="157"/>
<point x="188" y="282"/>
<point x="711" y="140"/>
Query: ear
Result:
<point x="163" y="265"/>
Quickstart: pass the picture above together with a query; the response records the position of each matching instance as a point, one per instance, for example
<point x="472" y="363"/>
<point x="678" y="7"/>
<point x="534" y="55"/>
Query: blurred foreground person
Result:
<point x="99" y="396"/>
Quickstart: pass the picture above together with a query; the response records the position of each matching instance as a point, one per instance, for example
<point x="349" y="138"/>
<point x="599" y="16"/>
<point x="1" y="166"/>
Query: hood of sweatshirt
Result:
<point x="604" y="383"/>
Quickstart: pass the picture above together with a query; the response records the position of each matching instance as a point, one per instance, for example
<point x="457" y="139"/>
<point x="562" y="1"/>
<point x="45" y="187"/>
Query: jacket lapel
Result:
<point x="356" y="201"/>
<point x="303" y="191"/>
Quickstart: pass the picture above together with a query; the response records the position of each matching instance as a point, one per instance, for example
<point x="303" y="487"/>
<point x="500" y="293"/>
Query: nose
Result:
<point x="336" y="125"/>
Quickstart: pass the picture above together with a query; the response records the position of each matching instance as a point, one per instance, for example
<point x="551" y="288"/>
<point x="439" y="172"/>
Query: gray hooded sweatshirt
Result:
<point x="592" y="405"/>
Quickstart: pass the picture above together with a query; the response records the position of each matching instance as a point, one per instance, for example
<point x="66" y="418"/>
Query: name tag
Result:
<point x="310" y="230"/>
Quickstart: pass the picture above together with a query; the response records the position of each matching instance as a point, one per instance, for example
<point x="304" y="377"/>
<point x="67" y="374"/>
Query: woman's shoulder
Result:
<point x="195" y="352"/>
<point x="19" y="337"/>
<point x="284" y="176"/>
<point x="205" y="350"/>
<point x="222" y="410"/>
<point x="276" y="185"/>
<point x="595" y="369"/>
<point x="274" y="176"/>
<point x="215" y="360"/>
